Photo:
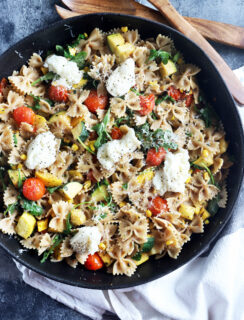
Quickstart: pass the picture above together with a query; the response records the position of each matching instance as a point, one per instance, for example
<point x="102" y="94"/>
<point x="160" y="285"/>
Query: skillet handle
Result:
<point x="175" y="19"/>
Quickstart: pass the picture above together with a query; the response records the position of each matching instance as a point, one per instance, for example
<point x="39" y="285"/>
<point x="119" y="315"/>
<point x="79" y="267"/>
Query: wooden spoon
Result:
<point x="176" y="20"/>
<point x="216" y="31"/>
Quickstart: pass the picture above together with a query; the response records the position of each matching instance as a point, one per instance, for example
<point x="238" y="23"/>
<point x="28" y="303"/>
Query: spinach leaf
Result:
<point x="162" y="56"/>
<point x="101" y="130"/>
<point x="84" y="133"/>
<point x="154" y="116"/>
<point x="85" y="146"/>
<point x="205" y="115"/>
<point x="79" y="59"/>
<point x="137" y="256"/>
<point x="46" y="77"/>
<point x="56" y="241"/>
<point x="163" y="98"/>
<point x="147" y="246"/>
<point x="213" y="206"/>
<point x="76" y="42"/>
<point x="53" y="189"/>
<point x="31" y="207"/>
<point x="204" y="167"/>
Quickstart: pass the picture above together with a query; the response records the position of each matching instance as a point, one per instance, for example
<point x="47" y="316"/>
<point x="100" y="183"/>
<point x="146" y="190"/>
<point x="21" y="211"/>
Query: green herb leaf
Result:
<point x="59" y="49"/>
<point x="79" y="59"/>
<point x="137" y="256"/>
<point x="176" y="57"/>
<point x="15" y="140"/>
<point x="188" y="134"/>
<point x="104" y="215"/>
<point x="204" y="167"/>
<point x="125" y="186"/>
<point x="56" y="241"/>
<point x="160" y="55"/>
<point x="84" y="133"/>
<point x="76" y="42"/>
<point x="11" y="208"/>
<point x="101" y="130"/>
<point x="213" y="206"/>
<point x="136" y="92"/>
<point x="147" y="246"/>
<point x="84" y="146"/>
<point x="36" y="102"/>
<point x="154" y="116"/>
<point x="46" y="77"/>
<point x="53" y="189"/>
<point x="91" y="83"/>
<point x="31" y="207"/>
<point x="68" y="226"/>
<point x="161" y="99"/>
<point x="125" y="120"/>
<point x="49" y="102"/>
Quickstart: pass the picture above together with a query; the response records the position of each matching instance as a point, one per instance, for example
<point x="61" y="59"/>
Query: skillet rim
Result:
<point x="137" y="281"/>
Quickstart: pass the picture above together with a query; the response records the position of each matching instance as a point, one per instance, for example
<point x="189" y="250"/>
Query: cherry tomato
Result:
<point x="116" y="133"/>
<point x="147" y="104"/>
<point x="33" y="189"/>
<point x="3" y="84"/>
<point x="93" y="262"/>
<point x="24" y="114"/>
<point x="155" y="158"/>
<point x="58" y="93"/>
<point x="196" y="170"/>
<point x="90" y="176"/>
<point x="174" y="93"/>
<point x="94" y="101"/>
<point x="189" y="100"/>
<point x="158" y="205"/>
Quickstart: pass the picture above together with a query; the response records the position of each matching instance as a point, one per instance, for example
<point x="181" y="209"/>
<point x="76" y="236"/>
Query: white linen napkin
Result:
<point x="209" y="287"/>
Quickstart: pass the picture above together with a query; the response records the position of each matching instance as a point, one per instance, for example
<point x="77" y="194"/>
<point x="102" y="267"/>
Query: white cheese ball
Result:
<point x="110" y="153"/>
<point x="41" y="152"/>
<point x="86" y="240"/>
<point x="122" y="78"/>
<point x="173" y="175"/>
<point x="67" y="70"/>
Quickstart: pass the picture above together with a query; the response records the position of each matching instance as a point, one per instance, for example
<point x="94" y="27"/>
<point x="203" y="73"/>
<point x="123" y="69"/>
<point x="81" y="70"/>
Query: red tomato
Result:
<point x="3" y="84"/>
<point x="154" y="158"/>
<point x="58" y="93"/>
<point x="90" y="176"/>
<point x="93" y="262"/>
<point x="189" y="100"/>
<point x="33" y="189"/>
<point x="116" y="133"/>
<point x="147" y="104"/>
<point x="174" y="93"/>
<point x="94" y="101"/>
<point x="24" y="114"/>
<point x="196" y="170"/>
<point x="158" y="205"/>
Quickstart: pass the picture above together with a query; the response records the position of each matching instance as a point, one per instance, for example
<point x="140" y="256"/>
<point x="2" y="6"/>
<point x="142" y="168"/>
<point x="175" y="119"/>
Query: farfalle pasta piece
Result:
<point x="14" y="100"/>
<point x="132" y="36"/>
<point x="63" y="161"/>
<point x="118" y="192"/>
<point x="132" y="101"/>
<point x="7" y="225"/>
<point x="122" y="265"/>
<point x="72" y="262"/>
<point x="39" y="242"/>
<point x="60" y="210"/>
<point x="86" y="163"/>
<point x="65" y="248"/>
<point x="10" y="196"/>
<point x="6" y="140"/>
<point x="223" y="196"/>
<point x="35" y="61"/>
<point x="101" y="67"/>
<point x="164" y="43"/>
<point x="118" y="107"/>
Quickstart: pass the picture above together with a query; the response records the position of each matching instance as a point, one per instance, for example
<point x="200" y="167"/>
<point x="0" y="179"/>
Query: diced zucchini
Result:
<point x="39" y="121"/>
<point x="16" y="176"/>
<point x="115" y="40"/>
<point x="25" y="225"/>
<point x="124" y="51"/>
<point x="167" y="69"/>
<point x="42" y="225"/>
<point x="187" y="211"/>
<point x="77" y="217"/>
<point x="50" y="180"/>
<point x="145" y="175"/>
<point x="99" y="194"/>
<point x="105" y="258"/>
<point x="204" y="214"/>
<point x="55" y="117"/>
<point x="71" y="189"/>
<point x="144" y="258"/>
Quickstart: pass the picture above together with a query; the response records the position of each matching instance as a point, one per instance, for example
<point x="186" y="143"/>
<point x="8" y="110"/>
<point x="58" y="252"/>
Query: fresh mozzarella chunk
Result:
<point x="122" y="78"/>
<point x="86" y="240"/>
<point x="41" y="152"/>
<point x="110" y="153"/>
<point x="173" y="175"/>
<point x="67" y="70"/>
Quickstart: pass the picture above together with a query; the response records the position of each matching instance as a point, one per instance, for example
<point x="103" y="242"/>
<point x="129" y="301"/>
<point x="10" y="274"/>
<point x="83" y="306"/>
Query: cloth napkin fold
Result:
<point x="210" y="287"/>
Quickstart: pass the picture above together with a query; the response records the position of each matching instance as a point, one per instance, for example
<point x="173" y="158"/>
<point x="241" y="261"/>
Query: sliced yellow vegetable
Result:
<point x="80" y="84"/>
<point x="167" y="69"/>
<point x="146" y="175"/>
<point x="42" y="225"/>
<point x="71" y="189"/>
<point x="50" y="180"/>
<point x="205" y="214"/>
<point x="39" y="121"/>
<point x="77" y="217"/>
<point x="15" y="176"/>
<point x="144" y="258"/>
<point x="187" y="211"/>
<point x="75" y="121"/>
<point x="99" y="194"/>
<point x="25" y="225"/>
<point x="105" y="258"/>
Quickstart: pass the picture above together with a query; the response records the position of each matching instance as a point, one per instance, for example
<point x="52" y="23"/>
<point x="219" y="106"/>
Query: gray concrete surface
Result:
<point x="20" y="18"/>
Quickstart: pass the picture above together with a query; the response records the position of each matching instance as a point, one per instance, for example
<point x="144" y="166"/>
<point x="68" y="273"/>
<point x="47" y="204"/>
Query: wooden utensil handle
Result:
<point x="175" y="19"/>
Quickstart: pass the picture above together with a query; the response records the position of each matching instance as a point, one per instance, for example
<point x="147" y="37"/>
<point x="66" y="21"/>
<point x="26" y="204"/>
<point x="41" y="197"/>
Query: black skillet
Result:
<point x="217" y="93"/>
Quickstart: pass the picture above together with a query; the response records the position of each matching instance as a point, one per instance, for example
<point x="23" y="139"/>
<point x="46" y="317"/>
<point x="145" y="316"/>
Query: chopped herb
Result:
<point x="104" y="215"/>
<point x="11" y="208"/>
<point x="136" y="92"/>
<point x="155" y="139"/>
<point x="59" y="49"/>
<point x="213" y="205"/>
<point x="147" y="246"/>
<point x="15" y="140"/>
<point x="53" y="189"/>
<point x="125" y="120"/>
<point x="49" y="102"/>
<point x="100" y="128"/>
<point x="56" y="241"/>
<point x="137" y="256"/>
<point x="84" y="133"/>
<point x="79" y="59"/>
<point x="76" y="42"/>
<point x="176" y="57"/>
<point x="154" y="116"/>
<point x="162" y="56"/>
<point x="125" y="186"/>
<point x="46" y="77"/>
<point x="36" y="102"/>
<point x="68" y="226"/>
<point x="31" y="207"/>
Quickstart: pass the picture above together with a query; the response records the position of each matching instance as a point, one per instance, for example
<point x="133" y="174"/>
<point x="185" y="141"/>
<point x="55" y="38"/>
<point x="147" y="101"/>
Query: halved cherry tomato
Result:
<point x="147" y="104"/>
<point x="155" y="158"/>
<point x="189" y="100"/>
<point x="116" y="133"/>
<point x="90" y="176"/>
<point x="58" y="93"/>
<point x="94" y="262"/>
<point x="196" y="170"/>
<point x="94" y="101"/>
<point x="24" y="114"/>
<point x="33" y="189"/>
<point x="3" y="84"/>
<point x="174" y="93"/>
<point x="158" y="205"/>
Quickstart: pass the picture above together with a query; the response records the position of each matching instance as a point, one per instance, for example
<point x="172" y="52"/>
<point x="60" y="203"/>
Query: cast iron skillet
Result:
<point x="215" y="88"/>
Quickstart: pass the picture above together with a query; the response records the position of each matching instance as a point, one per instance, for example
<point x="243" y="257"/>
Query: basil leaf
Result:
<point x="31" y="207"/>
<point x="161" y="55"/>
<point x="147" y="246"/>
<point x="84" y="133"/>
<point x="46" y="77"/>
<point x="56" y="241"/>
<point x="137" y="256"/>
